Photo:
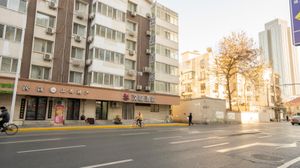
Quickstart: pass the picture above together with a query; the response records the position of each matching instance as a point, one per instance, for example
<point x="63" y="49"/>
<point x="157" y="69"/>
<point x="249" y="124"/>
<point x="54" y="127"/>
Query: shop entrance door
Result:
<point x="101" y="110"/>
<point x="73" y="109"/>
<point x="128" y="111"/>
<point x="36" y="108"/>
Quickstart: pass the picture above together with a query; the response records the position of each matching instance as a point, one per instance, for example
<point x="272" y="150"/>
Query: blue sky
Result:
<point x="202" y="23"/>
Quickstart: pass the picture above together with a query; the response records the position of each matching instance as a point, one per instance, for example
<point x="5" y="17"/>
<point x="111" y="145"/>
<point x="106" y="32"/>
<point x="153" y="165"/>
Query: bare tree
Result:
<point x="237" y="55"/>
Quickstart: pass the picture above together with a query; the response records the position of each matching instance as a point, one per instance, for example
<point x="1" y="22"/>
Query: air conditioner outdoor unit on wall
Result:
<point x="49" y="30"/>
<point x="77" y="38"/>
<point x="139" y="87"/>
<point x="92" y="16"/>
<point x="52" y="4"/>
<point x="47" y="57"/>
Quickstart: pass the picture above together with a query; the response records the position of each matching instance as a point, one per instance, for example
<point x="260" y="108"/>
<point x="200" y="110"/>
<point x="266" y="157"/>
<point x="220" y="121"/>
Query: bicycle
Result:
<point x="10" y="129"/>
<point x="136" y="124"/>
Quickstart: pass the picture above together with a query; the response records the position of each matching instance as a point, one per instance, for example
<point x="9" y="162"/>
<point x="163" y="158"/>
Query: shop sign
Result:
<point x="138" y="98"/>
<point x="54" y="90"/>
<point x="5" y="88"/>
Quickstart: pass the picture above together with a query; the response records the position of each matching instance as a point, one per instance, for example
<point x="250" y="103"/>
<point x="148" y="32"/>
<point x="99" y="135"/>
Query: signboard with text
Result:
<point x="295" y="20"/>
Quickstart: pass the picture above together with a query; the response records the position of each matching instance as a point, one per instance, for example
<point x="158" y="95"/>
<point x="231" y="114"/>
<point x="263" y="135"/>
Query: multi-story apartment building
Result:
<point x="97" y="58"/>
<point x="279" y="52"/>
<point x="197" y="75"/>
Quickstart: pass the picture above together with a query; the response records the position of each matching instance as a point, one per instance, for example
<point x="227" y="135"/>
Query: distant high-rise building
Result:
<point x="278" y="51"/>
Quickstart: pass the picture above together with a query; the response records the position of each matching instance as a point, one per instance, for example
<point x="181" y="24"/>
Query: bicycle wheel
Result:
<point x="11" y="129"/>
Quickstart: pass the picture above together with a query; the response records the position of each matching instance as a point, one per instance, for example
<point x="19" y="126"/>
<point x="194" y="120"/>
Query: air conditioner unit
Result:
<point x="49" y="30"/>
<point x="76" y="63"/>
<point x="77" y="38"/>
<point x="147" y="88"/>
<point x="131" y="72"/>
<point x="148" y="51"/>
<point x="140" y="73"/>
<point x="131" y="52"/>
<point x="139" y="87"/>
<point x="92" y="16"/>
<point x="80" y="15"/>
<point x="52" y="4"/>
<point x="131" y="33"/>
<point x="148" y="15"/>
<point x="147" y="69"/>
<point x="148" y="32"/>
<point x="47" y="57"/>
<point x="90" y="39"/>
<point x="88" y="62"/>
<point x="133" y="13"/>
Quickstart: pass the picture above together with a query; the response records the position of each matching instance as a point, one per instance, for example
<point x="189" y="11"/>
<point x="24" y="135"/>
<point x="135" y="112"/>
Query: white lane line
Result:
<point x="140" y="133"/>
<point x="172" y="130"/>
<point x="194" y="140"/>
<point x="236" y="148"/>
<point x="267" y="136"/>
<point x="220" y="144"/>
<point x="49" y="149"/>
<point x="110" y="163"/>
<point x="194" y="132"/>
<point x="29" y="141"/>
<point x="289" y="163"/>
<point x="162" y="138"/>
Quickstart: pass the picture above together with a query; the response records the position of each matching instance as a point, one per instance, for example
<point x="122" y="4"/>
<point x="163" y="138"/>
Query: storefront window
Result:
<point x="101" y="110"/>
<point x="36" y="108"/>
<point x="73" y="109"/>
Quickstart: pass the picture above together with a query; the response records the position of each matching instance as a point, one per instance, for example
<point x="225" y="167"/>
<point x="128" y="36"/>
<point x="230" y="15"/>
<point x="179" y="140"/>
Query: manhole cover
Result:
<point x="266" y="157"/>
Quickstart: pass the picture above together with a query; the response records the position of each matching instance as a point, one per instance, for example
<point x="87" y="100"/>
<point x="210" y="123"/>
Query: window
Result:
<point x="203" y="87"/>
<point x="75" y="77"/>
<point x="39" y="72"/>
<point x="18" y="35"/>
<point x="129" y="64"/>
<point x="130" y="45"/>
<point x="79" y="30"/>
<point x="132" y="7"/>
<point x="107" y="79"/>
<point x="10" y="33"/>
<point x="41" y="45"/>
<point x="79" y="6"/>
<point x="17" y="5"/>
<point x="129" y="84"/>
<point x="77" y="53"/>
<point x="9" y="64"/>
<point x="131" y="26"/>
<point x="154" y="108"/>
<point x="110" y="33"/>
<point x="1" y="30"/>
<point x="44" y="20"/>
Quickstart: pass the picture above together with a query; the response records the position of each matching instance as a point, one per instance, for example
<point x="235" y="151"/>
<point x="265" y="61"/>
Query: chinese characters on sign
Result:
<point x="54" y="90"/>
<point x="138" y="98"/>
<point x="295" y="20"/>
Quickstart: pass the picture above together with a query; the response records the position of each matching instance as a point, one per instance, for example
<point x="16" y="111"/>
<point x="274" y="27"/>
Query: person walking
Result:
<point x="190" y="119"/>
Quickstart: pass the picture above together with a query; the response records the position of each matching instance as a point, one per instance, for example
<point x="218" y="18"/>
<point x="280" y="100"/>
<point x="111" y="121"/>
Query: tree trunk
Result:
<point x="229" y="93"/>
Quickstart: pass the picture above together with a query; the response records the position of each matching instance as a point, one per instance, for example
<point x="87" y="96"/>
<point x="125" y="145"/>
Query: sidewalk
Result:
<point x="90" y="127"/>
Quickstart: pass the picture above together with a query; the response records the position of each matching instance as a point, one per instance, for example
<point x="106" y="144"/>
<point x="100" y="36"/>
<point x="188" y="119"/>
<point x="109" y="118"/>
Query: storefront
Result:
<point x="55" y="103"/>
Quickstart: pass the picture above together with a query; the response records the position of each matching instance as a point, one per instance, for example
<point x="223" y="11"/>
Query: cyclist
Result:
<point x="139" y="119"/>
<point x="5" y="117"/>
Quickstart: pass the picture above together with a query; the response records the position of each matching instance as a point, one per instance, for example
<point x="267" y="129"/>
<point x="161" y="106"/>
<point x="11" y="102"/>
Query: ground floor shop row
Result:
<point x="50" y="102"/>
<point x="60" y="110"/>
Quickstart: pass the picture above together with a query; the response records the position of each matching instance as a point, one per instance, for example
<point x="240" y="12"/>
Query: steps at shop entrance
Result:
<point x="37" y="123"/>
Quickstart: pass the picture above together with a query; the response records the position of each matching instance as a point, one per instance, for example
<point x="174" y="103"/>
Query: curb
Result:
<point x="69" y="128"/>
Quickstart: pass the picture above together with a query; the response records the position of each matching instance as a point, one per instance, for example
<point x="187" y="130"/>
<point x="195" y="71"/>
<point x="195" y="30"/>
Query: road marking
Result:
<point x="258" y="144"/>
<point x="195" y="140"/>
<point x="140" y="133"/>
<point x="194" y="132"/>
<point x="172" y="130"/>
<point x="161" y="138"/>
<point x="221" y="144"/>
<point x="267" y="136"/>
<point x="289" y="163"/>
<point x="28" y="141"/>
<point x="49" y="149"/>
<point x="110" y="163"/>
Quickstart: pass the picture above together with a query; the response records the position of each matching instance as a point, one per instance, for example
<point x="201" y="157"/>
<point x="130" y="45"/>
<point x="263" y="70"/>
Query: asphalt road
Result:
<point x="200" y="146"/>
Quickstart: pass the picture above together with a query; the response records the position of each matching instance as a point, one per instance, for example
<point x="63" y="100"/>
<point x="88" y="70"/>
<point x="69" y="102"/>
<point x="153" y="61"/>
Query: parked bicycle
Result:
<point x="10" y="129"/>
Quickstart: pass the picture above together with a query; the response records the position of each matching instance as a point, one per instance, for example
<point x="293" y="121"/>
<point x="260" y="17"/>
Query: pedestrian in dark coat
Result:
<point x="190" y="119"/>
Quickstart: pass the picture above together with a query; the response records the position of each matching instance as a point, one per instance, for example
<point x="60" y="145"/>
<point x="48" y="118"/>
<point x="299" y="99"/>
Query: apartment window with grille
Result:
<point x="39" y="72"/>
<point x="80" y="6"/>
<point x="131" y="26"/>
<point x="79" y="30"/>
<point x="129" y="84"/>
<point x="43" y="46"/>
<point x="8" y="64"/>
<point x="107" y="79"/>
<point x="129" y="64"/>
<point x="130" y="45"/>
<point x="44" y="20"/>
<point x="77" y="53"/>
<point x="132" y="7"/>
<point x="75" y="77"/>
